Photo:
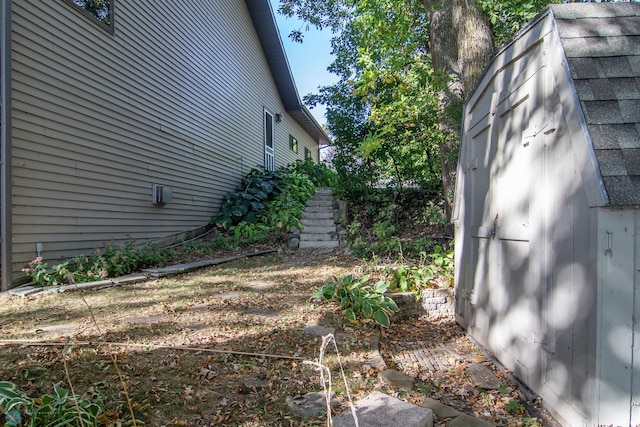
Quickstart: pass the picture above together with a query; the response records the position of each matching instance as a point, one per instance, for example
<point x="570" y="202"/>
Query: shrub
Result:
<point x="246" y="203"/>
<point x="359" y="299"/>
<point x="319" y="173"/>
<point x="111" y="261"/>
<point x="57" y="409"/>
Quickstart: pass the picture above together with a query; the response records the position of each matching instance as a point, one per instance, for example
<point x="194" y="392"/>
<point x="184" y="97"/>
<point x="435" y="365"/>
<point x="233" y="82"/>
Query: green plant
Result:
<point x="286" y="209"/>
<point x="409" y="279"/>
<point x="443" y="262"/>
<point x="319" y="173"/>
<point x="57" y="409"/>
<point x="514" y="407"/>
<point x="254" y="232"/>
<point x="111" y="261"/>
<point x="360" y="300"/>
<point x="530" y="422"/>
<point x="246" y="203"/>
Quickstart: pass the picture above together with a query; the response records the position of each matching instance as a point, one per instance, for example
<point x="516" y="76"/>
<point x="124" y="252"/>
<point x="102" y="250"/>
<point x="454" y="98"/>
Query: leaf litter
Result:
<point x="225" y="346"/>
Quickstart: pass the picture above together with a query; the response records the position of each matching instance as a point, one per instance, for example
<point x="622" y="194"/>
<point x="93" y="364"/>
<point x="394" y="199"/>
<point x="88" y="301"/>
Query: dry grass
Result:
<point x="258" y="305"/>
<point x="177" y="345"/>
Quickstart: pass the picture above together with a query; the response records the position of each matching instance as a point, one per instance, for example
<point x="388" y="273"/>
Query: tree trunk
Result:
<point x="461" y="45"/>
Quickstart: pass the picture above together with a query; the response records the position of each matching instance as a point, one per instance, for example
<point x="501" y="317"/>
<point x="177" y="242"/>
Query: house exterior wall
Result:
<point x="175" y="96"/>
<point x="526" y="215"/>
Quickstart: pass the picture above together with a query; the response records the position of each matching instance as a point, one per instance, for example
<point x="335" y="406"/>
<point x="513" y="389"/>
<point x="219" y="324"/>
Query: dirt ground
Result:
<point x="225" y="345"/>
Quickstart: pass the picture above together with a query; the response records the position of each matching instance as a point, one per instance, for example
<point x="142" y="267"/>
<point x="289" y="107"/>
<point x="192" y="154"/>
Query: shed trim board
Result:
<point x="175" y="98"/>
<point x="547" y="211"/>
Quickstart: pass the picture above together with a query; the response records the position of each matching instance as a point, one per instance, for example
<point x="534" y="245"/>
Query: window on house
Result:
<point x="307" y="153"/>
<point x="293" y="144"/>
<point x="99" y="10"/>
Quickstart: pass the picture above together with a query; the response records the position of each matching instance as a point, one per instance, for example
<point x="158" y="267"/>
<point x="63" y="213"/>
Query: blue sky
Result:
<point x="308" y="60"/>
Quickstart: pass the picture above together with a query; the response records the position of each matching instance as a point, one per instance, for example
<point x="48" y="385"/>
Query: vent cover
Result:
<point x="160" y="194"/>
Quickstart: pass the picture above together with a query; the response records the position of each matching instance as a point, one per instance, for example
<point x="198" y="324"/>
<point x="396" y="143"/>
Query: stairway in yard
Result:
<point x="319" y="222"/>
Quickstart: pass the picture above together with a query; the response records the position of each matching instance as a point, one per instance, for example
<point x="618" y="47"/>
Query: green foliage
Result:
<point x="359" y="299"/>
<point x="271" y="202"/>
<point x="319" y="173"/>
<point x="246" y="203"/>
<point x="285" y="210"/>
<point x="508" y="16"/>
<point x="111" y="261"/>
<point x="57" y="409"/>
<point x="409" y="278"/>
<point x="514" y="407"/>
<point x="253" y="233"/>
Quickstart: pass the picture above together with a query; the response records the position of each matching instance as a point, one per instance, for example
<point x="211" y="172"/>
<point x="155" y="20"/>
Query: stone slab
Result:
<point x="397" y="379"/>
<point x="318" y="330"/>
<point x="309" y="405"/>
<point x="381" y="410"/>
<point x="440" y="410"/>
<point x="465" y="420"/>
<point x="482" y="376"/>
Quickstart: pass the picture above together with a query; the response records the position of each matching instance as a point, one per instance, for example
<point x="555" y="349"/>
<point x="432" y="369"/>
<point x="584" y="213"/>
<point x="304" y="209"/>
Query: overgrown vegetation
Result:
<point x="272" y="202"/>
<point x="360" y="300"/>
<point x="57" y="409"/>
<point x="110" y="261"/>
<point x="392" y="226"/>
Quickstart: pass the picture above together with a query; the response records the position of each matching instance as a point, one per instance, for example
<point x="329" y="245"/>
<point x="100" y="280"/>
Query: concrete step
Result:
<point x="318" y="209"/>
<point x="320" y="204"/>
<point x="304" y="244"/>
<point x="318" y="229"/>
<point x="317" y="215"/>
<point x="319" y="222"/>
<point x="317" y="237"/>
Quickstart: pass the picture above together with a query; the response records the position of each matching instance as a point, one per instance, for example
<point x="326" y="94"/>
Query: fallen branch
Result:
<point x="147" y="347"/>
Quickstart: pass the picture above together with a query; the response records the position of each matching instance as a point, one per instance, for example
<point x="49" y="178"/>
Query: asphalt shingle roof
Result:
<point x="602" y="44"/>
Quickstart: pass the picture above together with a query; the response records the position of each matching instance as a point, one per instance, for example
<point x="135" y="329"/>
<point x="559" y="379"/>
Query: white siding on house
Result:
<point x="174" y="97"/>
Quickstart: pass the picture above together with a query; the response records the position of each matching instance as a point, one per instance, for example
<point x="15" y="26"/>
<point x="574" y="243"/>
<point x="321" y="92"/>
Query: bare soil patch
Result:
<point x="224" y="345"/>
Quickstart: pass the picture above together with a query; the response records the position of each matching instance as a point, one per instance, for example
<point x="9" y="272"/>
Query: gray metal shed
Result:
<point x="547" y="213"/>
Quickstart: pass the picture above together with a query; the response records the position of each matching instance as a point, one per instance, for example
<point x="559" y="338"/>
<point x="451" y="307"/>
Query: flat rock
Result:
<point x="381" y="410"/>
<point x="228" y="295"/>
<point x="260" y="286"/>
<point x="465" y="420"/>
<point x="57" y="329"/>
<point x="397" y="379"/>
<point x="252" y="383"/>
<point x="309" y="405"/>
<point x="439" y="409"/>
<point x="321" y="331"/>
<point x="482" y="376"/>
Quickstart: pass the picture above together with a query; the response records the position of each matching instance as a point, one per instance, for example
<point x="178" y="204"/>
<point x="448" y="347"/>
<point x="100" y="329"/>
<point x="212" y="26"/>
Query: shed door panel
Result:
<point x="517" y="303"/>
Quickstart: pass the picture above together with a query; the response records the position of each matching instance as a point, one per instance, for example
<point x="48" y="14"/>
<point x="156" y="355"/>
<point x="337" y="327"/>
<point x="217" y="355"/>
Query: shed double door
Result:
<point x="505" y="299"/>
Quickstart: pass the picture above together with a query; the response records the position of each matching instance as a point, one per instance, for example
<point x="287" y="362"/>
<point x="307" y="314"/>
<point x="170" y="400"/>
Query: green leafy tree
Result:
<point x="405" y="68"/>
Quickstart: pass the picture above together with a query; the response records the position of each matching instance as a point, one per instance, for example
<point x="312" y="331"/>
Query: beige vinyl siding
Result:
<point x="174" y="97"/>
<point x="287" y="127"/>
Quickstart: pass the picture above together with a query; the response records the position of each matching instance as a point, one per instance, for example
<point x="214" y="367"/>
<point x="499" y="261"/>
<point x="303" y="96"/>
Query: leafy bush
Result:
<point x="360" y="300"/>
<point x="286" y="209"/>
<point x="57" y="409"/>
<point x="253" y="233"/>
<point x="246" y="203"/>
<point x="319" y="173"/>
<point x="274" y="199"/>
<point x="112" y="261"/>
<point x="438" y="272"/>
